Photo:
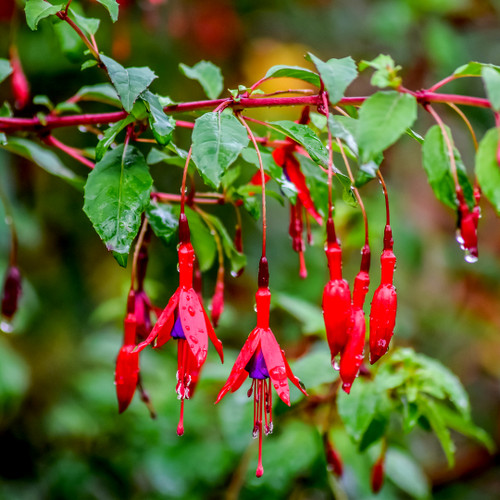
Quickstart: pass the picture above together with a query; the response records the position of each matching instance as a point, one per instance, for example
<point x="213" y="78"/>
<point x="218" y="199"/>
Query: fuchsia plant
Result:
<point x="123" y="207"/>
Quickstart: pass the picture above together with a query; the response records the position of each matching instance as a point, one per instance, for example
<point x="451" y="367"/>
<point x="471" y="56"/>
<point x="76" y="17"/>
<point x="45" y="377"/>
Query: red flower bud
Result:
<point x="19" y="83"/>
<point x="353" y="353"/>
<point x="384" y="306"/>
<point x="11" y="292"/>
<point x="333" y="460"/>
<point x="127" y="366"/>
<point x="377" y="475"/>
<point x="218" y="299"/>
<point x="467" y="230"/>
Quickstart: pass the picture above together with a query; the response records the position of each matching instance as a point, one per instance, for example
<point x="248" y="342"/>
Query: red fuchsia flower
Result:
<point x="19" y="83"/>
<point x="378" y="473"/>
<point x="467" y="226"/>
<point x="11" y="292"/>
<point x="217" y="306"/>
<point x="185" y="320"/>
<point x="262" y="359"/>
<point x="384" y="303"/>
<point x="127" y="363"/>
<point x="336" y="296"/>
<point x="353" y="354"/>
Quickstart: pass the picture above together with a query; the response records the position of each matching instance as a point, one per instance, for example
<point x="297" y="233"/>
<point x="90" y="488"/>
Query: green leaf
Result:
<point x="71" y="44"/>
<point x="336" y="74"/>
<point x="101" y="92"/>
<point x="88" y="24"/>
<point x="112" y="7"/>
<point x="315" y="368"/>
<point x="110" y="135"/>
<point x="36" y="10"/>
<point x="128" y="82"/>
<point x="473" y="69"/>
<point x="309" y="315"/>
<point x="431" y="412"/>
<point x="436" y="162"/>
<point x="491" y="79"/>
<point x="273" y="170"/>
<point x="43" y="158"/>
<point x="162" y="125"/>
<point x="3" y="139"/>
<point x="43" y="100"/>
<point x="163" y="220"/>
<point x="5" y="69"/>
<point x="402" y="469"/>
<point x="237" y="260"/>
<point x="156" y="156"/>
<point x="357" y="409"/>
<point x="465" y="426"/>
<point x="116" y="194"/>
<point x="488" y="169"/>
<point x="306" y="138"/>
<point x="208" y="75"/>
<point x="386" y="71"/>
<point x="218" y="139"/>
<point x="89" y="64"/>
<point x="383" y="118"/>
<point x="283" y="71"/>
<point x="67" y="107"/>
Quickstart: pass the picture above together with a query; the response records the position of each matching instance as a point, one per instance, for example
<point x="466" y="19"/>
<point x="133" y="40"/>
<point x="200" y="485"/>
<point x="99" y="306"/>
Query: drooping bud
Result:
<point x="19" y="83"/>
<point x="295" y="230"/>
<point x="218" y="298"/>
<point x="353" y="353"/>
<point x="11" y="292"/>
<point x="333" y="460"/>
<point x="377" y="474"/>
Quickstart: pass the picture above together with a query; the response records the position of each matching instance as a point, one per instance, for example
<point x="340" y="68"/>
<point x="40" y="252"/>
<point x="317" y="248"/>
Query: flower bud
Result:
<point x="353" y="354"/>
<point x="11" y="292"/>
<point x="377" y="474"/>
<point x="19" y="83"/>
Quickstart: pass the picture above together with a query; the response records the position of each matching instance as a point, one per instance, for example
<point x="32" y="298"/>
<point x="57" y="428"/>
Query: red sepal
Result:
<point x="377" y="475"/>
<point x="275" y="364"/>
<point x="126" y="376"/>
<point x="382" y="320"/>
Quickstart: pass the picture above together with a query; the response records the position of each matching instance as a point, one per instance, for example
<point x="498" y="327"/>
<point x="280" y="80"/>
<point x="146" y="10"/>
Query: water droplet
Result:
<point x="470" y="258"/>
<point x="177" y="375"/>
<point x="191" y="310"/>
<point x="336" y="366"/>
<point x="255" y="307"/>
<point x="255" y="431"/>
<point x="276" y="386"/>
<point x="100" y="137"/>
<point x="234" y="274"/>
<point x="382" y="343"/>
<point x="187" y="328"/>
<point x="6" y="327"/>
<point x="178" y="268"/>
<point x="188" y="298"/>
<point x="458" y="237"/>
<point x="278" y="373"/>
<point x="193" y="339"/>
<point x="81" y="128"/>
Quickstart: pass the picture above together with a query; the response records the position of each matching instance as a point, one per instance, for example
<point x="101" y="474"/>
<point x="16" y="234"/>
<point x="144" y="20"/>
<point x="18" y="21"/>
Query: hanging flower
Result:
<point x="336" y="296"/>
<point x="19" y="83"/>
<point x="11" y="292"/>
<point x="185" y="320"/>
<point x="262" y="359"/>
<point x="384" y="303"/>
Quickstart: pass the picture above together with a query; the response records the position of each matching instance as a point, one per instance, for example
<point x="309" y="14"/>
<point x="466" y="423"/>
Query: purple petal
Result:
<point x="256" y="367"/>
<point x="177" y="331"/>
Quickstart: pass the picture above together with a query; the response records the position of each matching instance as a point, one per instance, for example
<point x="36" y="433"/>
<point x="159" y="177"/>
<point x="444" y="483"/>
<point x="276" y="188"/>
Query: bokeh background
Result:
<point x="60" y="433"/>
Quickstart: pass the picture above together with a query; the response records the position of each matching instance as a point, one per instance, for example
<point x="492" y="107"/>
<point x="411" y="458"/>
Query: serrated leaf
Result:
<point x="283" y="71"/>
<point x="162" y="125"/>
<point x="436" y="162"/>
<point x="357" y="409"/>
<point x="218" y="139"/>
<point x="101" y="92"/>
<point x="128" y="82"/>
<point x="488" y="169"/>
<point x="112" y="7"/>
<point x="385" y="71"/>
<point x="336" y="74"/>
<point x="383" y="118"/>
<point x="36" y="10"/>
<point x="431" y="412"/>
<point x="163" y="220"/>
<point x="237" y="259"/>
<point x="110" y="135"/>
<point x="491" y="79"/>
<point x="5" y="69"/>
<point x="208" y="75"/>
<point x="87" y="24"/>
<point x="473" y="69"/>
<point x="44" y="158"/>
<point x="116" y="194"/>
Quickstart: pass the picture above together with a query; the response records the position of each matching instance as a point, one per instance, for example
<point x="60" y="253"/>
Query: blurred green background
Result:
<point x="60" y="433"/>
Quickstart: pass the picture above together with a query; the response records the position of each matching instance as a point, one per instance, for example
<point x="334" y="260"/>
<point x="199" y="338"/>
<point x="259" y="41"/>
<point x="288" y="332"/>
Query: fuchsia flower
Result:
<point x="11" y="292"/>
<point x="467" y="226"/>
<point x="262" y="359"/>
<point x="336" y="296"/>
<point x="384" y="303"/>
<point x="19" y="83"/>
<point x="217" y="306"/>
<point x="127" y="365"/>
<point x="185" y="320"/>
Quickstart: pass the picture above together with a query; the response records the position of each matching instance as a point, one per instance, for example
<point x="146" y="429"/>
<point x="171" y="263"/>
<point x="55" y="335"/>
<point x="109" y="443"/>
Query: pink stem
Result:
<point x="74" y="153"/>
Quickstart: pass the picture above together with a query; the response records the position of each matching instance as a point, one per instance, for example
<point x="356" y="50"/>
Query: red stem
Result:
<point x="74" y="153"/>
